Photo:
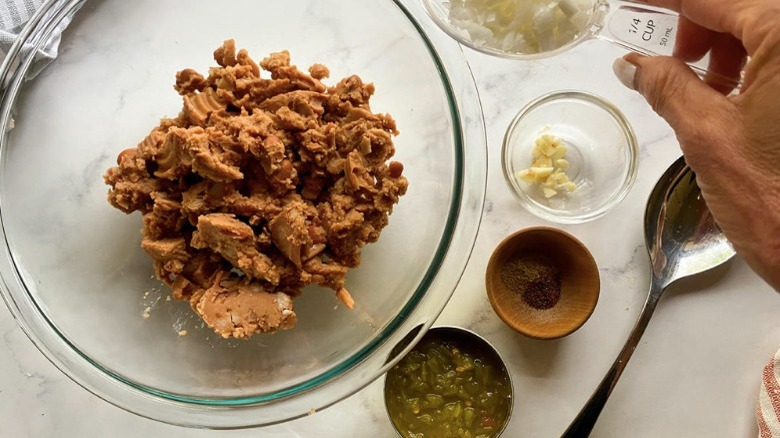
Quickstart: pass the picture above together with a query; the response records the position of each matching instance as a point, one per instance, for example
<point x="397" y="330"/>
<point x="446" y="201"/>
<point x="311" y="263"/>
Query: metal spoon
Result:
<point x="683" y="240"/>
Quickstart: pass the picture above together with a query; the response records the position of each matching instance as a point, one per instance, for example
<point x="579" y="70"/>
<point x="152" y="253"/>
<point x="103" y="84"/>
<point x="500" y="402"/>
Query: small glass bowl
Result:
<point x="602" y="155"/>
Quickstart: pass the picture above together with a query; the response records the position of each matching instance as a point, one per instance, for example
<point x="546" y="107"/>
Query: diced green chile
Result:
<point x="444" y="389"/>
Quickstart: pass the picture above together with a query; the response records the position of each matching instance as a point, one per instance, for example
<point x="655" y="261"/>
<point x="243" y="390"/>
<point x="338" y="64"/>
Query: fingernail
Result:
<point x="625" y="72"/>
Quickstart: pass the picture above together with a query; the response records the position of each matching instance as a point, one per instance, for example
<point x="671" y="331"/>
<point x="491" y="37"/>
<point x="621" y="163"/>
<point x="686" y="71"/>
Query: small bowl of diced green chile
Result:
<point x="453" y="383"/>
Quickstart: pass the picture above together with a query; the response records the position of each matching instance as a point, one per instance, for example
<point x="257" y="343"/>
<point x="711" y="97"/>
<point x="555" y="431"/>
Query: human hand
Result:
<point x="731" y="142"/>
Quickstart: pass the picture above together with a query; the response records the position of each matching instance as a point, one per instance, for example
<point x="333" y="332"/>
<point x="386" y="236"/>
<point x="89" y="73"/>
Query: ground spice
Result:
<point x="534" y="277"/>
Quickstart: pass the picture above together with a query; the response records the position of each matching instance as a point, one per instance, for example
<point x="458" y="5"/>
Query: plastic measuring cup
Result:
<point x="641" y="28"/>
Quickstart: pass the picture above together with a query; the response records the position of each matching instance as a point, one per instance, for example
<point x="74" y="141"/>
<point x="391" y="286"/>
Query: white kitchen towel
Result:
<point x="14" y="14"/>
<point x="768" y="410"/>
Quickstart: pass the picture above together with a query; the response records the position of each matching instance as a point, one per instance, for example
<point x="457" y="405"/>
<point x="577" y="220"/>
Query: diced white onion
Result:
<point x="521" y="26"/>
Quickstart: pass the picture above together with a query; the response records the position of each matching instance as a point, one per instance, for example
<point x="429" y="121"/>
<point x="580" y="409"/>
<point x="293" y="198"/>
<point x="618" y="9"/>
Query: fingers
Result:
<point x="727" y="59"/>
<point x="674" y="91"/>
<point x="727" y="56"/>
<point x="750" y="21"/>
<point x="693" y="41"/>
<point x="672" y="5"/>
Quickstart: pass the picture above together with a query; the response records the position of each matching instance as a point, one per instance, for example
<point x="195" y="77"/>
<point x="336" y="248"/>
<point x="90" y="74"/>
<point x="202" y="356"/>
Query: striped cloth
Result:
<point x="768" y="409"/>
<point x="13" y="16"/>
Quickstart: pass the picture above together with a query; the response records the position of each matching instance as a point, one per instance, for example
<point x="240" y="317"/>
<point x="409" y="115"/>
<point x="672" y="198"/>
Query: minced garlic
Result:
<point x="549" y="166"/>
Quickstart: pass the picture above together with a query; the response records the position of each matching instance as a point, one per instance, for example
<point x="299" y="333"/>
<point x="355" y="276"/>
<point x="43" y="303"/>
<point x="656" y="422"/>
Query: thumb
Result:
<point x="674" y="91"/>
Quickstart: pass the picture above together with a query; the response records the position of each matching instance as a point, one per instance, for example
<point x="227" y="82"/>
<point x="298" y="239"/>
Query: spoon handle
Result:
<point x="586" y="419"/>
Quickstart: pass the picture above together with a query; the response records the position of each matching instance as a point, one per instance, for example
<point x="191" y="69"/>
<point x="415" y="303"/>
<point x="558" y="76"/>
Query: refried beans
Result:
<point x="260" y="187"/>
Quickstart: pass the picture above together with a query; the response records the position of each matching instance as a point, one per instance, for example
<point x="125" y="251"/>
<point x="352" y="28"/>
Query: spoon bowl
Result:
<point x="680" y="233"/>
<point x="683" y="240"/>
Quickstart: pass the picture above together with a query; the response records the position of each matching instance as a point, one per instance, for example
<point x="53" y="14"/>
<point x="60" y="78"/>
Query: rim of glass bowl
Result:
<point x="551" y="214"/>
<point x="362" y="368"/>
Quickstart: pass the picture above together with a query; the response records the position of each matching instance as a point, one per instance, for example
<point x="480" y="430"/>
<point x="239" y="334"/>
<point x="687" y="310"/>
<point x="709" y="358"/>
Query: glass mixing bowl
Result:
<point x="75" y="277"/>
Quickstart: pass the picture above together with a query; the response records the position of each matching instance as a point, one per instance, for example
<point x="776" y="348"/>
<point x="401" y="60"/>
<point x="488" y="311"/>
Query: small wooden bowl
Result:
<point x="579" y="283"/>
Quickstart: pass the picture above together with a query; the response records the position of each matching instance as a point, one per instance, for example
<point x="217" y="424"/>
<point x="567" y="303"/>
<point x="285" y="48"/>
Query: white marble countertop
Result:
<point x="695" y="373"/>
